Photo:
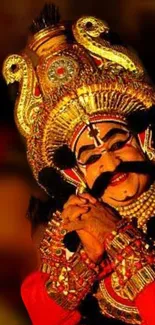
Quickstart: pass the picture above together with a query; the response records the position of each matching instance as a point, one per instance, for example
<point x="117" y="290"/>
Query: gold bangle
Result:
<point x="138" y="281"/>
<point x="121" y="240"/>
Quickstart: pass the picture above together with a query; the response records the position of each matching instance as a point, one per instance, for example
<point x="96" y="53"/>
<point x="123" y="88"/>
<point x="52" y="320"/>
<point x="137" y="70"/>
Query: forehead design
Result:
<point x="95" y="131"/>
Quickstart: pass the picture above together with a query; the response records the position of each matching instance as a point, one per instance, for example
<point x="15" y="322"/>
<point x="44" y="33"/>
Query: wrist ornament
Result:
<point x="132" y="260"/>
<point x="71" y="275"/>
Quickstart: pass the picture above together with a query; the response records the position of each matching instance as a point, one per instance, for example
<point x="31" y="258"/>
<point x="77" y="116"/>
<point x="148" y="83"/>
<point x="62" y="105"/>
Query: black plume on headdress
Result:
<point x="139" y="121"/>
<point x="64" y="158"/>
<point x="56" y="186"/>
<point x="49" y="16"/>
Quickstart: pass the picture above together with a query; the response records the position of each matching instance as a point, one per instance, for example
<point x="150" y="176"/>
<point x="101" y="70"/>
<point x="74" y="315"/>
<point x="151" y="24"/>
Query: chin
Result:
<point x="115" y="203"/>
<point x="128" y="200"/>
<point x="126" y="192"/>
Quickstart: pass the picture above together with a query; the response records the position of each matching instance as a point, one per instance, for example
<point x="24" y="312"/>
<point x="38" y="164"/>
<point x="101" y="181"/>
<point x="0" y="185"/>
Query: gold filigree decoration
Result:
<point x="18" y="68"/>
<point x="110" y="307"/>
<point x="148" y="145"/>
<point x="87" y="31"/>
<point x="116" y="285"/>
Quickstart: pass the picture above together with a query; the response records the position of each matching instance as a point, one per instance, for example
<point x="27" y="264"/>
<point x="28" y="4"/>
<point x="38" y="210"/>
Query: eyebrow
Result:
<point x="106" y="137"/>
<point x="84" y="148"/>
<point x="112" y="132"/>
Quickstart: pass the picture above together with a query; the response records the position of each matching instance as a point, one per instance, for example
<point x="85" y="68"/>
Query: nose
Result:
<point x="108" y="162"/>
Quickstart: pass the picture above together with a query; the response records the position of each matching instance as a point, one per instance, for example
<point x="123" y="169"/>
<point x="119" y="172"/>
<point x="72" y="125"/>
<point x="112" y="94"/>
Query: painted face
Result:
<point x="102" y="150"/>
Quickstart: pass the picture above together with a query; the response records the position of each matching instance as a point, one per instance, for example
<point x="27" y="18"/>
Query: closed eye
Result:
<point x="92" y="159"/>
<point x="118" y="145"/>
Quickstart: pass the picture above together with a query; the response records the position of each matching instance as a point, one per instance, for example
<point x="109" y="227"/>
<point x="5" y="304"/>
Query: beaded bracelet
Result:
<point x="132" y="260"/>
<point x="71" y="275"/>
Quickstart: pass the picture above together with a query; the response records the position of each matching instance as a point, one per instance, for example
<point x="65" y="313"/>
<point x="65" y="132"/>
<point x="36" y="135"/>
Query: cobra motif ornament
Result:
<point x="18" y="68"/>
<point x="87" y="31"/>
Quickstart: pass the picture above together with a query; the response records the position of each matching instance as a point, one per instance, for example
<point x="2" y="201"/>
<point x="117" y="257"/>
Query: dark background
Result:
<point x="133" y="19"/>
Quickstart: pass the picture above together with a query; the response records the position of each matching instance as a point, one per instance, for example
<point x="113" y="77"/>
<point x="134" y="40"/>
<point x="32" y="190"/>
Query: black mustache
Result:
<point x="139" y="167"/>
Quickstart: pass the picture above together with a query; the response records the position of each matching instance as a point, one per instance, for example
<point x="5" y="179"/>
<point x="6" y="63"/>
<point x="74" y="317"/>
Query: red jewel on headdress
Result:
<point x="60" y="71"/>
<point x="98" y="61"/>
<point x="37" y="91"/>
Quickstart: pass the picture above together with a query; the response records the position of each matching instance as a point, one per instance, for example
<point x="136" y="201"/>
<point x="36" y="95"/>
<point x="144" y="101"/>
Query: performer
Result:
<point x="85" y="108"/>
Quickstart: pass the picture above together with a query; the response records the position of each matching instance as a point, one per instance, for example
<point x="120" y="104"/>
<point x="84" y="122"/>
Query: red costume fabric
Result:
<point x="145" y="302"/>
<point x="43" y="310"/>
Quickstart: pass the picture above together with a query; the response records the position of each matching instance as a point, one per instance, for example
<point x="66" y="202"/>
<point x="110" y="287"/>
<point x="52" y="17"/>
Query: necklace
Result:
<point x="142" y="208"/>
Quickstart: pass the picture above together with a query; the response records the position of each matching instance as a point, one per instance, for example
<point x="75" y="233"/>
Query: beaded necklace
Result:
<point x="142" y="208"/>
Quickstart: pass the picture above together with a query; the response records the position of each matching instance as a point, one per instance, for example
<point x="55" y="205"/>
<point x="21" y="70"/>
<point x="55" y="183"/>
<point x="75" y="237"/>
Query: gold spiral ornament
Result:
<point x="17" y="68"/>
<point x="87" y="32"/>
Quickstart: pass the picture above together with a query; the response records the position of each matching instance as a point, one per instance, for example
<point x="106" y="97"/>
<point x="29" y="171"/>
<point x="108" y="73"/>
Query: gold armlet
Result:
<point x="132" y="261"/>
<point x="118" y="240"/>
<point x="139" y="281"/>
<point x="71" y="275"/>
<point x="72" y="281"/>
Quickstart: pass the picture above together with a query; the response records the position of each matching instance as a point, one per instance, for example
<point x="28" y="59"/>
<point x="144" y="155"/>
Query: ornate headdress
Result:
<point x="70" y="76"/>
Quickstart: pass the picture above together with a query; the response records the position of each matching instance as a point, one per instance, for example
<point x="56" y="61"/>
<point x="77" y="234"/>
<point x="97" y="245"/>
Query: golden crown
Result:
<point x="69" y="76"/>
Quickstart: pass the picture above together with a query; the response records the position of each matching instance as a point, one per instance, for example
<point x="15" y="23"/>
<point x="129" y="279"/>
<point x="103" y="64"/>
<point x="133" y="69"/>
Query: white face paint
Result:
<point x="112" y="144"/>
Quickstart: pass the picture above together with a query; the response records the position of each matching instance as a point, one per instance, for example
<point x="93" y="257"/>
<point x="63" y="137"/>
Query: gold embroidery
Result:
<point x="110" y="307"/>
<point x="87" y="31"/>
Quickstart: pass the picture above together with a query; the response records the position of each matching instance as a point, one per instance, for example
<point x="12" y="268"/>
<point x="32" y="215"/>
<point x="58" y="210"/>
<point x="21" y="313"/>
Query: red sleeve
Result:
<point x="41" y="308"/>
<point x="145" y="302"/>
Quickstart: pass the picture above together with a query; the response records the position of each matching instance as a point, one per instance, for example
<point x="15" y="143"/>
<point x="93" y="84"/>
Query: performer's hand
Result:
<point x="92" y="221"/>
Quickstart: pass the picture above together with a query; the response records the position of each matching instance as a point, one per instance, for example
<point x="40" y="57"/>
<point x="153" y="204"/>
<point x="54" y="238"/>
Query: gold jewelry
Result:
<point x="132" y="272"/>
<point x="143" y="208"/>
<point x="71" y="275"/>
<point x="112" y="308"/>
<point x="139" y="281"/>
